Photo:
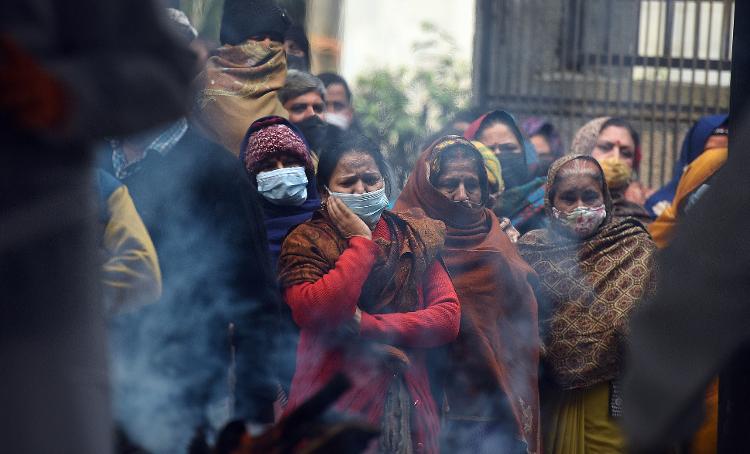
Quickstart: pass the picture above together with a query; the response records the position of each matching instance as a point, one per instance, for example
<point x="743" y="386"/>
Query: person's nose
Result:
<point x="461" y="194"/>
<point x="279" y="165"/>
<point x="309" y="112"/>
<point x="267" y="41"/>
<point x="359" y="188"/>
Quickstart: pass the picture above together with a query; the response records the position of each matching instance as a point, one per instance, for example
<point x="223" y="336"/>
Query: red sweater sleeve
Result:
<point x="332" y="299"/>
<point x="435" y="325"/>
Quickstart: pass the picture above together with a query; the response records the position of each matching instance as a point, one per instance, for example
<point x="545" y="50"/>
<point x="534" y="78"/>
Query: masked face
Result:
<point x="285" y="187"/>
<point x="501" y="139"/>
<point x="616" y="172"/>
<point x="368" y="206"/>
<point x="358" y="183"/>
<point x="578" y="202"/>
<point x="315" y="131"/>
<point x="581" y="222"/>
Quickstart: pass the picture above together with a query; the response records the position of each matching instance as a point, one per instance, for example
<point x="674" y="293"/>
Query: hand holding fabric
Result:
<point x="513" y="234"/>
<point x="28" y="92"/>
<point x="348" y="223"/>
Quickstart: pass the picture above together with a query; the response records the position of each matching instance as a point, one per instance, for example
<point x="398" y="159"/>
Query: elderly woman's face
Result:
<point x="615" y="142"/>
<point x="576" y="186"/>
<point x="500" y="139"/>
<point x="356" y="173"/>
<point x="458" y="180"/>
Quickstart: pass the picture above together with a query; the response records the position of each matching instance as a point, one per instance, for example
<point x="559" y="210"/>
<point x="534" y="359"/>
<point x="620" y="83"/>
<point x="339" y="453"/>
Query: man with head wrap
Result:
<point x="240" y="81"/>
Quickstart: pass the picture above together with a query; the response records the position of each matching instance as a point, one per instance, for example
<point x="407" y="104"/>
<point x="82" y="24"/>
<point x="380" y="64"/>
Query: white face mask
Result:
<point x="286" y="187"/>
<point x="581" y="221"/>
<point x="368" y="206"/>
<point x="337" y="119"/>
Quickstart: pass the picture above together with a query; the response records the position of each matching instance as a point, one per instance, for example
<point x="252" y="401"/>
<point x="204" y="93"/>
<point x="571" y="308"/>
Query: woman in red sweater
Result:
<point x="370" y="297"/>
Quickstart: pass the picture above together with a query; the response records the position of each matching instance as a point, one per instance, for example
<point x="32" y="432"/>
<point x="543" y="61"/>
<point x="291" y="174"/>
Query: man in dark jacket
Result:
<point x="70" y="72"/>
<point x="206" y="224"/>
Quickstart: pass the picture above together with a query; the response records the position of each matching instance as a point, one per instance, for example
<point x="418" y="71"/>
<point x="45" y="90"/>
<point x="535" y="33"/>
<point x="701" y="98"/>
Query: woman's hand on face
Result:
<point x="348" y="223"/>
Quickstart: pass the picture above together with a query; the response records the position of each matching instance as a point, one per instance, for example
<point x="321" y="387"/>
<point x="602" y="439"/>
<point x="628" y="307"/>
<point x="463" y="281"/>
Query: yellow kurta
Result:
<point x="578" y="422"/>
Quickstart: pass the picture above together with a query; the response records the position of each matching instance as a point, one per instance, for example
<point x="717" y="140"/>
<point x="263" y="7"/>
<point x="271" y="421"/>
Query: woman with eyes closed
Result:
<point x="593" y="270"/>
<point x="371" y="296"/>
<point x="488" y="376"/>
<point x="523" y="199"/>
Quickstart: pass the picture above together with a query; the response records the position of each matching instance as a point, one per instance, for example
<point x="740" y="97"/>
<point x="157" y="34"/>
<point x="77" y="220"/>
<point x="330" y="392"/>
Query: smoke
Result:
<point x="170" y="360"/>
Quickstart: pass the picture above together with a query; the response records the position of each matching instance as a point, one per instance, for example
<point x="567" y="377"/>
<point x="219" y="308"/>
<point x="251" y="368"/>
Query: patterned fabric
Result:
<point x="591" y="288"/>
<point x="238" y="86"/>
<point x="392" y="285"/>
<point x="163" y="144"/>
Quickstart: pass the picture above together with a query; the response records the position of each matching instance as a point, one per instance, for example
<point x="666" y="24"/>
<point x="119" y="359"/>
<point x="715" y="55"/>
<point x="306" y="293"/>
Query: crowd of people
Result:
<point x="257" y="247"/>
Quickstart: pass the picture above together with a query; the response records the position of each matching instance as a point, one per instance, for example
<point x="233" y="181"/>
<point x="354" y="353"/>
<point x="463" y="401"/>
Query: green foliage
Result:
<point x="401" y="108"/>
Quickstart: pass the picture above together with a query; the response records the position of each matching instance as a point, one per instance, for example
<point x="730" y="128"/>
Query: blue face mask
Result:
<point x="286" y="187"/>
<point x="368" y="206"/>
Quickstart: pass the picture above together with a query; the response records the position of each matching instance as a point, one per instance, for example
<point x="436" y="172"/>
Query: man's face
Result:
<point x="305" y="106"/>
<point x="337" y="103"/>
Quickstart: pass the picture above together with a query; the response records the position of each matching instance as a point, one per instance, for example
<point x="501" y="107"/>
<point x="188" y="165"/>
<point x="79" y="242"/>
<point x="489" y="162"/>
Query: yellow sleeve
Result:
<point x="131" y="274"/>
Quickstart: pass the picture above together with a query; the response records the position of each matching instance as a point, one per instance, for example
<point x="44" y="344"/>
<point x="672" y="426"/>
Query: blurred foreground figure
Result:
<point x="67" y="77"/>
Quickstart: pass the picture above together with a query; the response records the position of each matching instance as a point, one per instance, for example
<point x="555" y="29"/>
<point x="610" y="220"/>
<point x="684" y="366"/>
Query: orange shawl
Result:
<point x="237" y="87"/>
<point x="496" y="355"/>
<point x="697" y="173"/>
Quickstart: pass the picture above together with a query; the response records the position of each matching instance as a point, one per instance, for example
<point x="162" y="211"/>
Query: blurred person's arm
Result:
<point x="131" y="275"/>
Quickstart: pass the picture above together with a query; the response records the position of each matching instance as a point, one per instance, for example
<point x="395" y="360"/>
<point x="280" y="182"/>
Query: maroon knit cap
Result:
<point x="274" y="141"/>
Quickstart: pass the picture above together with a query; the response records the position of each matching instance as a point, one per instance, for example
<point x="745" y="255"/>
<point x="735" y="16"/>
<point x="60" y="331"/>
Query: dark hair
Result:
<point x="333" y="78"/>
<point x="349" y="142"/>
<point x="623" y="123"/>
<point x="501" y="117"/>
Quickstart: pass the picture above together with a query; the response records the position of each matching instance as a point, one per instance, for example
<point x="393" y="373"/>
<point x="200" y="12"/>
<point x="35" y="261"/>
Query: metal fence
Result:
<point x="662" y="64"/>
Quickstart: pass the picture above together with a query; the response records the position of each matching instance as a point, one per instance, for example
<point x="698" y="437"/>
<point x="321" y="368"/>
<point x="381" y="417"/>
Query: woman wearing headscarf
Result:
<point x="278" y="160"/>
<point x="546" y="140"/>
<point x="593" y="270"/>
<point x="523" y="199"/>
<point x="695" y="143"/>
<point x="371" y="297"/>
<point x="489" y="374"/>
<point x="616" y="145"/>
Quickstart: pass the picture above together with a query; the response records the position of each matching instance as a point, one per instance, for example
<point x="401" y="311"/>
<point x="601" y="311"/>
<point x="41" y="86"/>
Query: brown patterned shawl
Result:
<point x="311" y="250"/>
<point x="496" y="355"/>
<point x="591" y="287"/>
<point x="237" y="87"/>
